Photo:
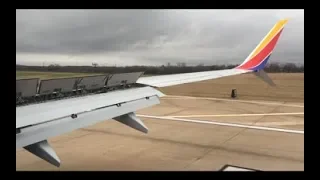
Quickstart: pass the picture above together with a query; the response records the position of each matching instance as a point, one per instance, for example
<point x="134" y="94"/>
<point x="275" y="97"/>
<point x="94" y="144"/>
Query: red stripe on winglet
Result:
<point x="256" y="60"/>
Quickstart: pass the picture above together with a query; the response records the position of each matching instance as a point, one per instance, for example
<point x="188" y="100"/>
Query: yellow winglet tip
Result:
<point x="284" y="21"/>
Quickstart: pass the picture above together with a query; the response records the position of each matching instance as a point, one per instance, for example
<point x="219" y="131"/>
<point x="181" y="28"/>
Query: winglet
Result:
<point x="264" y="76"/>
<point x="258" y="58"/>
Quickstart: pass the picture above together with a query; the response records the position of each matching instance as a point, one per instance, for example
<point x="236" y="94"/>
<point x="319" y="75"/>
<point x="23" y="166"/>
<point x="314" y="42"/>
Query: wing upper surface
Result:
<point x="48" y="111"/>
<point x="176" y="79"/>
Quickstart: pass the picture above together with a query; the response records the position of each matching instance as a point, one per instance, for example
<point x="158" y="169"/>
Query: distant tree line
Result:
<point x="156" y="70"/>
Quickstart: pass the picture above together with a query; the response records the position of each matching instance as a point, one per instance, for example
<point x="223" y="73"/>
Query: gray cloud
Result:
<point x="152" y="36"/>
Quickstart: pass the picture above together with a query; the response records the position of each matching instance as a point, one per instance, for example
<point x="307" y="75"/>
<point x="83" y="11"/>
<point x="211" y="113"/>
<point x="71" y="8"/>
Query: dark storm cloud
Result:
<point x="155" y="36"/>
<point x="61" y="31"/>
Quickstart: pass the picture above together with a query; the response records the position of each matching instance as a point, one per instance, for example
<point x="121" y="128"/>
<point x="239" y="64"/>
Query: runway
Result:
<point x="187" y="133"/>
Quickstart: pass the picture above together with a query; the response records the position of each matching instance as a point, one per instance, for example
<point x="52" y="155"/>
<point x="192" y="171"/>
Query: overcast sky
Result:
<point x="152" y="37"/>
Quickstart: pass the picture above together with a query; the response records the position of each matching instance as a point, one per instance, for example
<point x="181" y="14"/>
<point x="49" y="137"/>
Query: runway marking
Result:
<point x="239" y="115"/>
<point x="236" y="168"/>
<point x="225" y="124"/>
<point x="278" y="123"/>
<point x="234" y="100"/>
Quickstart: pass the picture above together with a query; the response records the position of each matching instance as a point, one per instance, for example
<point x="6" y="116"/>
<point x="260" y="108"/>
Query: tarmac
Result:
<point x="186" y="134"/>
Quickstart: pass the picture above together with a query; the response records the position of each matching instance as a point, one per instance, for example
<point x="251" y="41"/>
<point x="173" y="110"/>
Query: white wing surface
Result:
<point x="176" y="79"/>
<point x="48" y="111"/>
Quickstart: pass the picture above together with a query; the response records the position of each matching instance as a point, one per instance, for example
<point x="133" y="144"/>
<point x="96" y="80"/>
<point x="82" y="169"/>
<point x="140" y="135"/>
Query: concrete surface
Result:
<point x="183" y="146"/>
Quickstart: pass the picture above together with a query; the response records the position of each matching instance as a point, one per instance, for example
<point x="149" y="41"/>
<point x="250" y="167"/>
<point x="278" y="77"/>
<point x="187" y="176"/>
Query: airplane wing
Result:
<point x="49" y="108"/>
<point x="176" y="79"/>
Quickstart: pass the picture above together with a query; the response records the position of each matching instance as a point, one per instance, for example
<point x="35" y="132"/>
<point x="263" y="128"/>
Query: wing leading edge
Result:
<point x="255" y="62"/>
